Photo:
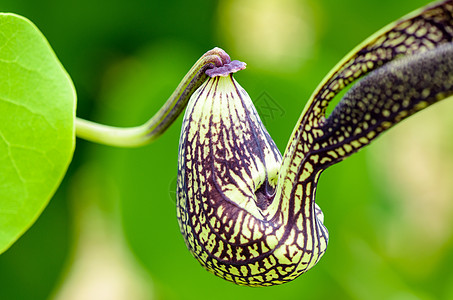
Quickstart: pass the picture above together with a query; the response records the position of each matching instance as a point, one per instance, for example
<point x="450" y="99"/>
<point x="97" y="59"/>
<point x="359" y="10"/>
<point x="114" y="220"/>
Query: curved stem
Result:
<point x="112" y="136"/>
<point x="144" y="134"/>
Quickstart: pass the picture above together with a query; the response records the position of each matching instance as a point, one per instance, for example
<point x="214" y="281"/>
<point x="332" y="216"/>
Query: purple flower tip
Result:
<point x="231" y="67"/>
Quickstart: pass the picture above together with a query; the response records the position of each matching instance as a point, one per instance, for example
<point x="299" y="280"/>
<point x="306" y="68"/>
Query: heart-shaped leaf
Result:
<point x="37" y="111"/>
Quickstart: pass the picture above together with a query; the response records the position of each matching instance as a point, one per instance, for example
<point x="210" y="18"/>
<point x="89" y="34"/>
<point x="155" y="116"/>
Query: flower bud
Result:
<point x="227" y="177"/>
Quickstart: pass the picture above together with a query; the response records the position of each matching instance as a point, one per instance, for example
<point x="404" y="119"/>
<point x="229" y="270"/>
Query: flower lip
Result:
<point x="226" y="69"/>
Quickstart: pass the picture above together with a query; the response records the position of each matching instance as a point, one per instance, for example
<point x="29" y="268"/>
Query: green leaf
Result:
<point x="37" y="111"/>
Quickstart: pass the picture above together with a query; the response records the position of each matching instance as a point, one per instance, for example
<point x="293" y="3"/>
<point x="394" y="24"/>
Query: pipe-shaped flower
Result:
<point x="249" y="215"/>
<point x="228" y="172"/>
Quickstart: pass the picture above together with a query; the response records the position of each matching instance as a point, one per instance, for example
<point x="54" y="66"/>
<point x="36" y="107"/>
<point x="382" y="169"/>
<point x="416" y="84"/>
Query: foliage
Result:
<point x="37" y="132"/>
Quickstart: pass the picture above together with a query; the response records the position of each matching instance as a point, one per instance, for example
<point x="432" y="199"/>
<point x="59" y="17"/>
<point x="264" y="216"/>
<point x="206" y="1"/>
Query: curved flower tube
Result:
<point x="247" y="214"/>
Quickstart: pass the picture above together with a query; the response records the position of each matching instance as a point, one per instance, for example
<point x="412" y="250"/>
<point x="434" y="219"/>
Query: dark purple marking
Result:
<point x="231" y="67"/>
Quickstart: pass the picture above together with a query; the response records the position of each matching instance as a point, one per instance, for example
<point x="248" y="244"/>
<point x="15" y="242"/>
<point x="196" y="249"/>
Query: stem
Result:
<point x="112" y="136"/>
<point x="161" y="121"/>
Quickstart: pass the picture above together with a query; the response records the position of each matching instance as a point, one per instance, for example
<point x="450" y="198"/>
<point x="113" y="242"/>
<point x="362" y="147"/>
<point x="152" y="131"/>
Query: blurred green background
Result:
<point x="111" y="231"/>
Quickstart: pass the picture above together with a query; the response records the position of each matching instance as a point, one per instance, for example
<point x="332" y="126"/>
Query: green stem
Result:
<point x="161" y="121"/>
